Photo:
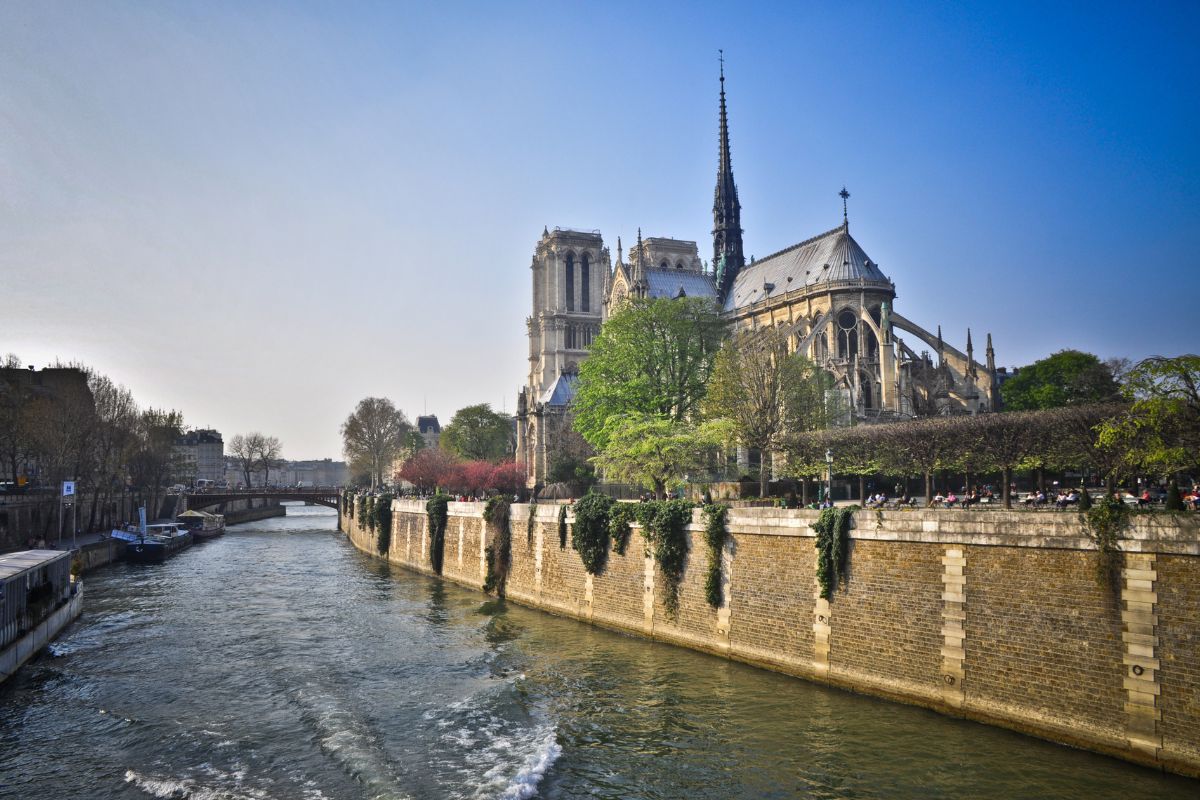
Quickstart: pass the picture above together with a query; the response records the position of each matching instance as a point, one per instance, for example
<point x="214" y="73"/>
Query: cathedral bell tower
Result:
<point x="728" y="257"/>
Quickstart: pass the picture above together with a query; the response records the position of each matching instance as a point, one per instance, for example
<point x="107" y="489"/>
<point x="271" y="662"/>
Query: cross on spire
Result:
<point x="845" y="196"/>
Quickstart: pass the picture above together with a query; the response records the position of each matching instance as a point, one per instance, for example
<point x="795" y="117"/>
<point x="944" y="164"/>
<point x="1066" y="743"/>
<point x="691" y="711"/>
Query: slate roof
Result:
<point x="831" y="257"/>
<point x="669" y="283"/>
<point x="561" y="392"/>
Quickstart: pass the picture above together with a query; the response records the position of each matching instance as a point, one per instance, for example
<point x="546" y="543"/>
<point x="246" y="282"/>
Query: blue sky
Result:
<point x="261" y="212"/>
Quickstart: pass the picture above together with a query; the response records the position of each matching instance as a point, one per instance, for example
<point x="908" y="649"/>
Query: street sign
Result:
<point x="68" y="489"/>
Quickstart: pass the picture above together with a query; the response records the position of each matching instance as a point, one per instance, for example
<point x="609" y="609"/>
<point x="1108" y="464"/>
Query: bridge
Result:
<point x="326" y="496"/>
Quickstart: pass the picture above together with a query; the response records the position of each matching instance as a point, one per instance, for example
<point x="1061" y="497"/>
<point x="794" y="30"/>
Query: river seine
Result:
<point x="278" y="662"/>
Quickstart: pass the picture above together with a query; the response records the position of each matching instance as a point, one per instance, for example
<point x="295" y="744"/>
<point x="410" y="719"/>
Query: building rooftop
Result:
<point x="831" y="257"/>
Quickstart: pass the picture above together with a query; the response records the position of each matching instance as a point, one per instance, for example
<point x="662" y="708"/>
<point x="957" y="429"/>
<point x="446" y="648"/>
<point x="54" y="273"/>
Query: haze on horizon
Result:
<point x="259" y="213"/>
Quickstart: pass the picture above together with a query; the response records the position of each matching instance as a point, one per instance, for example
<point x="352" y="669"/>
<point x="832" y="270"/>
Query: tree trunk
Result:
<point x="928" y="488"/>
<point x="1006" y="476"/>
<point x="804" y="490"/>
<point x="862" y="489"/>
<point x="1041" y="479"/>
<point x="660" y="489"/>
<point x="764" y="477"/>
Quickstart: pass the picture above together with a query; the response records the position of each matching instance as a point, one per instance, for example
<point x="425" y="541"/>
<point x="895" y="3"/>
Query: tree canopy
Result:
<point x="653" y="450"/>
<point x="651" y="359"/>
<point x="1067" y="378"/>
<point x="478" y="433"/>
<point x="1160" y="432"/>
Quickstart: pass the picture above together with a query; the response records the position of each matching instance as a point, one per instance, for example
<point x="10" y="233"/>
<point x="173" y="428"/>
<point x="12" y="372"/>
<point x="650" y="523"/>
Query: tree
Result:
<point x="1067" y="378"/>
<point x="1161" y="429"/>
<point x="478" y="433"/>
<point x="653" y="451"/>
<point x="651" y="359"/>
<point x="373" y="435"/>
<point x="765" y="394"/>
<point x="508" y="477"/>
<point x="116" y="435"/>
<point x="155" y="459"/>
<point x="267" y="452"/>
<point x="1006" y="440"/>
<point x="245" y="450"/>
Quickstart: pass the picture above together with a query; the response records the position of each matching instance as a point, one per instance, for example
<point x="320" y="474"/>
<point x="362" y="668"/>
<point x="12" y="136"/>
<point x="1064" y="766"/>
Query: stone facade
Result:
<point x="993" y="616"/>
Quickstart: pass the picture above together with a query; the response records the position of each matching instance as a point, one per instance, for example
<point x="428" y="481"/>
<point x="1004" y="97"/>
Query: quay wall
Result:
<point x="995" y="616"/>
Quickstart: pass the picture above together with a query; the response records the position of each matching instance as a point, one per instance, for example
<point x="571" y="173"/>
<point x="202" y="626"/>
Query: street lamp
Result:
<point x="829" y="465"/>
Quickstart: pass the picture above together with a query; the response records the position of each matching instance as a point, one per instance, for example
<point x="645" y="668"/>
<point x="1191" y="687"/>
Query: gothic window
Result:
<point x="585" y="284"/>
<point x="570" y="281"/>
<point x="678" y="265"/>
<point x="847" y="337"/>
<point x="664" y="265"/>
<point x="570" y="337"/>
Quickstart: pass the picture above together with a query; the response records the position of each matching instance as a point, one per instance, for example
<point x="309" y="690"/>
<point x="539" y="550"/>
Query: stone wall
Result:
<point x="991" y="615"/>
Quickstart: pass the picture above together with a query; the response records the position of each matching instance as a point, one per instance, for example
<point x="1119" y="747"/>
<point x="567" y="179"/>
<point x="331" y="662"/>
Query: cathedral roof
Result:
<point x="832" y="257"/>
<point x="673" y="282"/>
<point x="561" y="392"/>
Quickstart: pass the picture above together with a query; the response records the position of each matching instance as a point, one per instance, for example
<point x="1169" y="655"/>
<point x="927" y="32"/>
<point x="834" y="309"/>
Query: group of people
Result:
<point x="966" y="500"/>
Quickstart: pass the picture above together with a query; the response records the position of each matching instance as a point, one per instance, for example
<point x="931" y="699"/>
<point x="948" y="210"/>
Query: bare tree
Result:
<point x="245" y="450"/>
<point x="267" y="451"/>
<point x="115" y="436"/>
<point x="373" y="435"/>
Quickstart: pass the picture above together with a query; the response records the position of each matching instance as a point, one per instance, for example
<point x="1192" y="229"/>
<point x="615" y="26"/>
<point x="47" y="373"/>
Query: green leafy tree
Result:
<point x="477" y="433"/>
<point x="653" y="451"/>
<point x="1067" y="378"/>
<point x="651" y="359"/>
<point x="765" y="394"/>
<point x="1161" y="429"/>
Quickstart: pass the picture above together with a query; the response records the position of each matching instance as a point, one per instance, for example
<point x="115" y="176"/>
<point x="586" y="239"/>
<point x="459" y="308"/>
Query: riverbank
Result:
<point x="997" y="616"/>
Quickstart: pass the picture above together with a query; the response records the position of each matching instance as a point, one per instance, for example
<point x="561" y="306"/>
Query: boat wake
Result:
<point x="347" y="740"/>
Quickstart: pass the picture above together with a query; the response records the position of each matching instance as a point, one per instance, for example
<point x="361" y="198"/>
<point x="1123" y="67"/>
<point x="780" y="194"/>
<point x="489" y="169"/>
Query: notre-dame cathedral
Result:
<point x="825" y="295"/>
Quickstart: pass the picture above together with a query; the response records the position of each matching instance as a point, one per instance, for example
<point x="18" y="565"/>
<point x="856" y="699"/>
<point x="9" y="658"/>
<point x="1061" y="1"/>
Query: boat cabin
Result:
<point x="32" y="584"/>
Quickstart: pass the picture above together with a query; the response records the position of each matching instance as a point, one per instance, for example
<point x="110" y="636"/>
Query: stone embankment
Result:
<point x="994" y="616"/>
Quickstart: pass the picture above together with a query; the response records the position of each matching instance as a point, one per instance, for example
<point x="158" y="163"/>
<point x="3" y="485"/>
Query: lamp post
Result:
<point x="829" y="473"/>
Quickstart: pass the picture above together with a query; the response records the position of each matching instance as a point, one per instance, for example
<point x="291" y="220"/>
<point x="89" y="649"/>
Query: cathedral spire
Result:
<point x="991" y="356"/>
<point x="727" y="210"/>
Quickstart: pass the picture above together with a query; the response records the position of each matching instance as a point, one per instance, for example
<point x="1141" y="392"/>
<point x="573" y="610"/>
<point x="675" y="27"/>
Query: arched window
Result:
<point x="570" y="343"/>
<point x="570" y="281"/>
<point x="847" y="322"/>
<point x="664" y="265"/>
<point x="585" y="284"/>
<point x="678" y="265"/>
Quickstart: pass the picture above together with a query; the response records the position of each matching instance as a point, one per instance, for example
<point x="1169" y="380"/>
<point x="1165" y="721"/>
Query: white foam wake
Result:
<point x="187" y="789"/>
<point x="537" y="764"/>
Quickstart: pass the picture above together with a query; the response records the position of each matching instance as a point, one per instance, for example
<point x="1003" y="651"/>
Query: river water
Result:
<point x="278" y="662"/>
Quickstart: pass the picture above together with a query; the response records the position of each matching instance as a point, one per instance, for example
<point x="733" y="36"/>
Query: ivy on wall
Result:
<point x="833" y="547"/>
<point x="619" y="518"/>
<point x="436" y="509"/>
<point x="529" y="523"/>
<point x="562" y="527"/>
<point x="715" y="536"/>
<point x="381" y="522"/>
<point x="360" y="506"/>
<point x="664" y="529"/>
<point x="589" y="537"/>
<point x="1105" y="524"/>
<point x="496" y="513"/>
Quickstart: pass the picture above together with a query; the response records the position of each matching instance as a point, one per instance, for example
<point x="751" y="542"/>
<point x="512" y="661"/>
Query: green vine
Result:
<point x="562" y="527"/>
<point x="589" y="537"/>
<point x="715" y="536"/>
<point x="496" y="514"/>
<point x="619" y="518"/>
<point x="360" y="506"/>
<point x="529" y="523"/>
<point x="833" y="547"/>
<point x="370" y="513"/>
<point x="381" y="522"/>
<point x="1105" y="524"/>
<point x="437" y="511"/>
<point x="665" y="531"/>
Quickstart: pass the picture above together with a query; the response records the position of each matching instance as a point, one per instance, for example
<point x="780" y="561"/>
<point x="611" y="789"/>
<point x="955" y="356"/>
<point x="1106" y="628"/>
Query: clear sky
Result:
<point x="259" y="213"/>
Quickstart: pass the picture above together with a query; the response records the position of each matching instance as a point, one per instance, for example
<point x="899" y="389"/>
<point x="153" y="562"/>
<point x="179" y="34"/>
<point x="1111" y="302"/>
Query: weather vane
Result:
<point x="845" y="196"/>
